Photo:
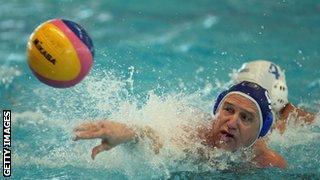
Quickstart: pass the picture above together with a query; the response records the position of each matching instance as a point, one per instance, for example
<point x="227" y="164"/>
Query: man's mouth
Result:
<point x="226" y="136"/>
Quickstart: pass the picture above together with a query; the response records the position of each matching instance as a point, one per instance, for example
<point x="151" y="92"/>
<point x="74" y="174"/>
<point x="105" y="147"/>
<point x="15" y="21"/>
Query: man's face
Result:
<point x="237" y="123"/>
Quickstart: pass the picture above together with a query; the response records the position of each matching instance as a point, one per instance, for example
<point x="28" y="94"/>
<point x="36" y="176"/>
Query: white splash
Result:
<point x="7" y="74"/>
<point x="209" y="21"/>
<point x="104" y="95"/>
<point x="100" y="96"/>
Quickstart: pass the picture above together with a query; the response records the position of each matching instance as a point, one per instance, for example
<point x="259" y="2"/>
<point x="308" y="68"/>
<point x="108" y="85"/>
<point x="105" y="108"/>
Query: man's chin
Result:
<point x="227" y="146"/>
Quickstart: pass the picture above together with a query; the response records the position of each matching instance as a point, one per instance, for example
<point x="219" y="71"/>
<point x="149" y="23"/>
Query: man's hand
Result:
<point x="110" y="133"/>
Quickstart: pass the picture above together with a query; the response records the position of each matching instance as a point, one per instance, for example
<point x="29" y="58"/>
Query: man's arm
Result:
<point x="114" y="133"/>
<point x="300" y="114"/>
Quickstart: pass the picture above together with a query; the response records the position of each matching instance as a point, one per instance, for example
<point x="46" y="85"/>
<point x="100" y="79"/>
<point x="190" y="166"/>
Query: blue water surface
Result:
<point x="152" y="58"/>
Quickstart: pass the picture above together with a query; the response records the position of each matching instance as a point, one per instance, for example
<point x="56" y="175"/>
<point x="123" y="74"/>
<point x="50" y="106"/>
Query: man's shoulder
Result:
<point x="266" y="157"/>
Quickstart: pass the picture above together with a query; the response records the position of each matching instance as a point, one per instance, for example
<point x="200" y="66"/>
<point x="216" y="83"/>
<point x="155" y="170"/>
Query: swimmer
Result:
<point x="242" y="115"/>
<point x="272" y="77"/>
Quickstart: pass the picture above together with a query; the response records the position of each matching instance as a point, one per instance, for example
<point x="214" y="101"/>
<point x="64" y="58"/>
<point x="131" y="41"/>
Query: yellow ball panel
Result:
<point x="51" y="54"/>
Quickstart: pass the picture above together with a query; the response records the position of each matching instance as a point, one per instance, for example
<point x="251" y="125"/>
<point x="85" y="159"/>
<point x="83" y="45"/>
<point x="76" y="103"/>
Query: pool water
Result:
<point x="157" y="63"/>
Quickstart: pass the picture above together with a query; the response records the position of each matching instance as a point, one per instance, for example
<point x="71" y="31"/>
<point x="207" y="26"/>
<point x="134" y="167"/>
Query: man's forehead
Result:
<point x="242" y="102"/>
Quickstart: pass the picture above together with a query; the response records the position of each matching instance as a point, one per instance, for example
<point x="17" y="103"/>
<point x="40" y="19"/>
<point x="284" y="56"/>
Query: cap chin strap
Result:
<point x="257" y="105"/>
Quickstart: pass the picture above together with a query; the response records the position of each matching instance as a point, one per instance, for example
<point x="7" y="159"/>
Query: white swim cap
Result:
<point x="269" y="76"/>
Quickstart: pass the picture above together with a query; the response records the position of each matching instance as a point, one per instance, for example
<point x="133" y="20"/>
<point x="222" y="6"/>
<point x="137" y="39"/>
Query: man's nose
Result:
<point x="233" y="121"/>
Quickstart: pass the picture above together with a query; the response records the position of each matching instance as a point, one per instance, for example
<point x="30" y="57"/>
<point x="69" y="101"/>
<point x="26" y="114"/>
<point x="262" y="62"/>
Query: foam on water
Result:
<point x="104" y="96"/>
<point x="47" y="129"/>
<point x="8" y="74"/>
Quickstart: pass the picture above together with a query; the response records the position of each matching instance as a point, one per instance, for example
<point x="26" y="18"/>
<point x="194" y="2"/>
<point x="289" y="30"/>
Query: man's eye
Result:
<point x="228" y="109"/>
<point x="245" y="118"/>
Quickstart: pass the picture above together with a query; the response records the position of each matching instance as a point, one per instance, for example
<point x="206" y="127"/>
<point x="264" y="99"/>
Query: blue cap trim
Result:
<point x="259" y="94"/>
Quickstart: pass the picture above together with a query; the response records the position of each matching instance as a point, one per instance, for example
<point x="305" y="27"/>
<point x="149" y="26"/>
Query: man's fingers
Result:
<point x="90" y="126"/>
<point x="102" y="147"/>
<point x="87" y="135"/>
